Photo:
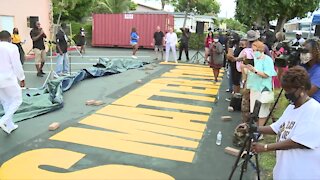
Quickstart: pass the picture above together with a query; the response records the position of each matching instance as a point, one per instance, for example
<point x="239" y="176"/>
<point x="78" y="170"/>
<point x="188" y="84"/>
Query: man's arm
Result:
<point x="36" y="37"/>
<point x="283" y="145"/>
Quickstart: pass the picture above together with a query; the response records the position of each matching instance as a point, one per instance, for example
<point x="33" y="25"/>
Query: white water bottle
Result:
<point x="219" y="138"/>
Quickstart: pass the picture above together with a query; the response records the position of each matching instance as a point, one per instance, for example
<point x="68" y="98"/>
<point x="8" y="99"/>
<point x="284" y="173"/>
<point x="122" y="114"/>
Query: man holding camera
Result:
<point x="10" y="90"/>
<point x="37" y="35"/>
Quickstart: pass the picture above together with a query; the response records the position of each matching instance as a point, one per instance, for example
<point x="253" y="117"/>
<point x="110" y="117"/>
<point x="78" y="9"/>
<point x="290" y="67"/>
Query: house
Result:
<point x="192" y="20"/>
<point x="22" y="14"/>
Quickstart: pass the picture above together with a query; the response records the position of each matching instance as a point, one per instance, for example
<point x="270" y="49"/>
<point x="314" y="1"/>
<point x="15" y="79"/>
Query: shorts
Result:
<point x="265" y="107"/>
<point x="158" y="48"/>
<point x="133" y="43"/>
<point x="40" y="55"/>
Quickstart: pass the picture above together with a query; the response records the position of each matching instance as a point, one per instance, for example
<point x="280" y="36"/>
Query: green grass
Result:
<point x="268" y="160"/>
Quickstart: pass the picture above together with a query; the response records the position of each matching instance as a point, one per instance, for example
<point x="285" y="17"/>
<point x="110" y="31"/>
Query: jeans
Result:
<point x="62" y="63"/>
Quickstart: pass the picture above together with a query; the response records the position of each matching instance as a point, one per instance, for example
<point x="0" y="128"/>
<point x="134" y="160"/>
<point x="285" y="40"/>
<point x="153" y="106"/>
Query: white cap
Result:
<point x="298" y="33"/>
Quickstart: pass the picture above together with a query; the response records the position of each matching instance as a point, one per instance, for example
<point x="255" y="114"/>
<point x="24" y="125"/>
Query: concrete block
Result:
<point x="226" y="118"/>
<point x="90" y="102"/>
<point x="54" y="126"/>
<point x="231" y="151"/>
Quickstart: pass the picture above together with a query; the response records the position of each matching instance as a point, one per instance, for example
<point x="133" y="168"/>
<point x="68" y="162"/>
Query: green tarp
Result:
<point x="50" y="98"/>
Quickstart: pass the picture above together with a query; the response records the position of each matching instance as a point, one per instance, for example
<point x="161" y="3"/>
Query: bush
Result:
<point x="196" y="40"/>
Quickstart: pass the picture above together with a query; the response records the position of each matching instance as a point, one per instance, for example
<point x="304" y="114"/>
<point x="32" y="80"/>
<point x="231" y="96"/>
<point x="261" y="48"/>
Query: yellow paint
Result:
<point x="26" y="166"/>
<point x="123" y="143"/>
<point x="171" y="119"/>
<point x="168" y="81"/>
<point x="134" y="101"/>
<point x="142" y="129"/>
<point x="174" y="80"/>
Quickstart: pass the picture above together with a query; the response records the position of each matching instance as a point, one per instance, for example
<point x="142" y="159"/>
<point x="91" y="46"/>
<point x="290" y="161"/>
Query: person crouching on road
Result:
<point x="10" y="91"/>
<point x="171" y="42"/>
<point x="216" y="57"/>
<point x="62" y="66"/>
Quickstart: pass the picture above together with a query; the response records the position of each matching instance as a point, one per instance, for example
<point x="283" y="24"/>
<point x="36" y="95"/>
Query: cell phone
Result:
<point x="249" y="61"/>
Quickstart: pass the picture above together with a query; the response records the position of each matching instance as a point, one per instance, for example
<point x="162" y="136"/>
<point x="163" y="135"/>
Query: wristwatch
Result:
<point x="256" y="72"/>
<point x="266" y="147"/>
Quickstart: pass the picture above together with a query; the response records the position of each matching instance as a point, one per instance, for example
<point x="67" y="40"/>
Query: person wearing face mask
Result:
<point x="311" y="61"/>
<point x="298" y="146"/>
<point x="216" y="57"/>
<point x="260" y="79"/>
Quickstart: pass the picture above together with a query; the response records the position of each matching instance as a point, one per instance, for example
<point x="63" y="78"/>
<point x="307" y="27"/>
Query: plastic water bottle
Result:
<point x="219" y="138"/>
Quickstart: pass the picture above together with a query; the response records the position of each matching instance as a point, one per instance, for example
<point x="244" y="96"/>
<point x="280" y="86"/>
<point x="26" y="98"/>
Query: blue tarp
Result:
<point x="50" y="98"/>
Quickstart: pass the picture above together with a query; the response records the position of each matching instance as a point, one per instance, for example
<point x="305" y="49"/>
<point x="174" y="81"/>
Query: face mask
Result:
<point x="292" y="98"/>
<point x="305" y="57"/>
<point x="257" y="54"/>
<point x="216" y="40"/>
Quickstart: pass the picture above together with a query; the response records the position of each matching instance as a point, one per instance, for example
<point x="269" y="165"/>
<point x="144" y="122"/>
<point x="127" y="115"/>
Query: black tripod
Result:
<point x="197" y="56"/>
<point x="246" y="148"/>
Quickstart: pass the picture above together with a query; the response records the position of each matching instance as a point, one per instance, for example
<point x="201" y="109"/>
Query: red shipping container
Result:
<point x="113" y="30"/>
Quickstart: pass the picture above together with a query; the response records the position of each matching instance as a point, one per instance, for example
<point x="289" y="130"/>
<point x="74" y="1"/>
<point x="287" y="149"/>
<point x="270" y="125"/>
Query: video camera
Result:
<point x="291" y="55"/>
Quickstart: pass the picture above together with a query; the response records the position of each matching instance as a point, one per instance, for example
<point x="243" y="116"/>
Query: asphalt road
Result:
<point x="162" y="128"/>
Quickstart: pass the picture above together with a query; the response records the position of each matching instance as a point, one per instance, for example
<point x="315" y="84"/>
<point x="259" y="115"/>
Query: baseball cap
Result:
<point x="298" y="33"/>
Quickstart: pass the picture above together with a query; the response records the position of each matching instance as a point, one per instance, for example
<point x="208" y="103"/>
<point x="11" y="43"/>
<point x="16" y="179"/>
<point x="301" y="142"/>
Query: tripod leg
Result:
<point x="238" y="158"/>
<point x="257" y="166"/>
<point x="247" y="157"/>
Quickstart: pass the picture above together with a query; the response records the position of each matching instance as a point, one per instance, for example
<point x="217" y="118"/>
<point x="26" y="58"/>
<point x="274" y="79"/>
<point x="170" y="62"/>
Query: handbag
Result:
<point x="266" y="96"/>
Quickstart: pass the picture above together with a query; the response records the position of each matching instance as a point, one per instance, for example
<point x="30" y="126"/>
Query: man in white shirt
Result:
<point x="171" y="41"/>
<point x="299" y="40"/>
<point x="10" y="72"/>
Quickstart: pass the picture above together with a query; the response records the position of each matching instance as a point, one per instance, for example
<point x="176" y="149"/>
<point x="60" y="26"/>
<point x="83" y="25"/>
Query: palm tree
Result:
<point x="112" y="6"/>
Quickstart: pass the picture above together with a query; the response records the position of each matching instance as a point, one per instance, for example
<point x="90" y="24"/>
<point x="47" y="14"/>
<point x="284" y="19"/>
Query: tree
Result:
<point x="113" y="6"/>
<point x="62" y="7"/>
<point x="234" y="25"/>
<point x="261" y="12"/>
<point x="197" y="6"/>
<point x="73" y="10"/>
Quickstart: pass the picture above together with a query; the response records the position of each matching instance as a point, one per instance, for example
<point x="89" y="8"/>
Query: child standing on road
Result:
<point x="134" y="37"/>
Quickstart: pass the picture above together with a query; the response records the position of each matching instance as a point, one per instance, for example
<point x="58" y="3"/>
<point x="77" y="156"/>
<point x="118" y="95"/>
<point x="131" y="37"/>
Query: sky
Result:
<point x="227" y="6"/>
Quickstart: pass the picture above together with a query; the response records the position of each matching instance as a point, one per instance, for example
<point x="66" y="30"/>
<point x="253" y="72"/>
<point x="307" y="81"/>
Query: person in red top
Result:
<point x="207" y="41"/>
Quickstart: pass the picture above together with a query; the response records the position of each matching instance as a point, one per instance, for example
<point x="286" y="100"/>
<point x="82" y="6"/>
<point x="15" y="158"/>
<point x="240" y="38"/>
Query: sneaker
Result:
<point x="176" y="62"/>
<point x="228" y="99"/>
<point x="230" y="109"/>
<point x="134" y="57"/>
<point x="39" y="74"/>
<point x="42" y="72"/>
<point x="227" y="90"/>
<point x="5" y="129"/>
<point x="14" y="128"/>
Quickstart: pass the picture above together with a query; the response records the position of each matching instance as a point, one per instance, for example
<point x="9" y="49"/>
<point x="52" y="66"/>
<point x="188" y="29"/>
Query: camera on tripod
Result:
<point x="290" y="56"/>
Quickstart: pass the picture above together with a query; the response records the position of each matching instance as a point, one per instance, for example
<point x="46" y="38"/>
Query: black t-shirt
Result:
<point x="185" y="37"/>
<point x="39" y="43"/>
<point x="61" y="41"/>
<point x="158" y="37"/>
